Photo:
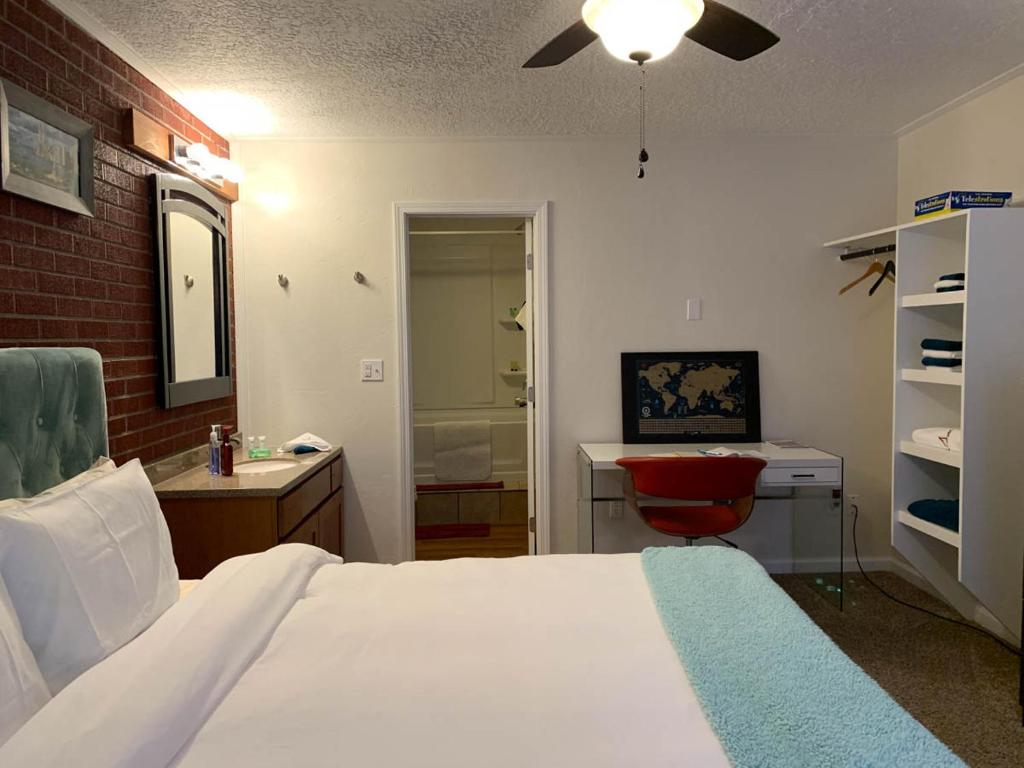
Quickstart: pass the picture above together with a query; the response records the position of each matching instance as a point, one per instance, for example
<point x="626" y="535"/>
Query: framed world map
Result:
<point x="690" y="397"/>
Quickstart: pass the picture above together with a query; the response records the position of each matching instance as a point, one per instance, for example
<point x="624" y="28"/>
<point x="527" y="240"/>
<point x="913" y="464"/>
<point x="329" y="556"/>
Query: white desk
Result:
<point x="792" y="474"/>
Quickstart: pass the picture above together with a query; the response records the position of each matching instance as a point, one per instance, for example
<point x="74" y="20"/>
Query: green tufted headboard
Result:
<point x="53" y="417"/>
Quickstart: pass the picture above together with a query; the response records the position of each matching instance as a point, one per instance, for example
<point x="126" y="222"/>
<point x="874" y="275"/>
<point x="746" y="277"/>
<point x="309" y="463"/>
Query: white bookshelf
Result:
<point x="937" y="455"/>
<point x="928" y="529"/>
<point x="932" y="376"/>
<point x="933" y="299"/>
<point x="981" y="562"/>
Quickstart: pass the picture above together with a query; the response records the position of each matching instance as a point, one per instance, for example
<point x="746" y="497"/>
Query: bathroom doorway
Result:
<point x="469" y="383"/>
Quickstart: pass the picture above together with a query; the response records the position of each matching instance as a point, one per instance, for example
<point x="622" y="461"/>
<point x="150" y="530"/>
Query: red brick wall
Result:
<point x="71" y="280"/>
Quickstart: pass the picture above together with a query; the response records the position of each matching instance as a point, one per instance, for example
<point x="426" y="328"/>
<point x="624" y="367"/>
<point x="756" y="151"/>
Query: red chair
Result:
<point x="725" y="484"/>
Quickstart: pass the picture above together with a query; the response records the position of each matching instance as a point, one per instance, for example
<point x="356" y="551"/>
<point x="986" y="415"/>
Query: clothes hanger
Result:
<point x="876" y="268"/>
<point x="888" y="271"/>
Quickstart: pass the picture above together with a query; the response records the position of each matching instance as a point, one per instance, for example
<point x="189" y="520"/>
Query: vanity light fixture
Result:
<point x="199" y="160"/>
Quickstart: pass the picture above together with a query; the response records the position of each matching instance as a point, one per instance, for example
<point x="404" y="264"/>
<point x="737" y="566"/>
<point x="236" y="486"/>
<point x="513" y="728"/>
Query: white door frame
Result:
<point x="538" y="212"/>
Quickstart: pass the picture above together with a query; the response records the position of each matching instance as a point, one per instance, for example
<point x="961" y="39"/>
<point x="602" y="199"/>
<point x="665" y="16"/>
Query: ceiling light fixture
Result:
<point x="641" y="30"/>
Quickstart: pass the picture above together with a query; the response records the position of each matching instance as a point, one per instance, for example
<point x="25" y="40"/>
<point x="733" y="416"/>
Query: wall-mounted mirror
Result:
<point x="190" y="227"/>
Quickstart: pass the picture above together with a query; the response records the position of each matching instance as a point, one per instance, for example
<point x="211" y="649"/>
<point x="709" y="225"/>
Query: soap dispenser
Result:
<point x="227" y="453"/>
<point x="215" y="436"/>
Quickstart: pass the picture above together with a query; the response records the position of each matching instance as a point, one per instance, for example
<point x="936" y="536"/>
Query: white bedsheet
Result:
<point x="289" y="658"/>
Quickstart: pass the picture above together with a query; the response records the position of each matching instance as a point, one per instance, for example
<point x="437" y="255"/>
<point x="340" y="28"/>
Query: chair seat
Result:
<point x="692" y="522"/>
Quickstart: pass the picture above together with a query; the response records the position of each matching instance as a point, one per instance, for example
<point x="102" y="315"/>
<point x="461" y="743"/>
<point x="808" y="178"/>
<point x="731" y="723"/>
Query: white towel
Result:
<point x="942" y="354"/>
<point x="949" y="284"/>
<point x="943" y="438"/>
<point x="462" y="451"/>
<point x="306" y="438"/>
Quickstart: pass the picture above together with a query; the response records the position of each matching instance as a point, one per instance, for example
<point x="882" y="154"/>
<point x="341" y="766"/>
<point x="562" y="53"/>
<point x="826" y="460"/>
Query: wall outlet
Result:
<point x="371" y="370"/>
<point x="614" y="510"/>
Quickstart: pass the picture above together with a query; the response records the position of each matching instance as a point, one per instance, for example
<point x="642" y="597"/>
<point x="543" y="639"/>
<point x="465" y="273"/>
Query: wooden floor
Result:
<point x="504" y="541"/>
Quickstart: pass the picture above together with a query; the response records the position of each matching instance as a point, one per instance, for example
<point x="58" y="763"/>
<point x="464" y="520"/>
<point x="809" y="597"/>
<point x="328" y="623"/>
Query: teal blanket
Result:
<point x="775" y="689"/>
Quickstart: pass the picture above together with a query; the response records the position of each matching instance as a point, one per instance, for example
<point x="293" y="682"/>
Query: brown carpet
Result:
<point x="958" y="684"/>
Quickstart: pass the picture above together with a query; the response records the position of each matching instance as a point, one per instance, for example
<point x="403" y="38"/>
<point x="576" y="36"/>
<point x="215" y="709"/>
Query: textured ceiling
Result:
<point x="422" y="68"/>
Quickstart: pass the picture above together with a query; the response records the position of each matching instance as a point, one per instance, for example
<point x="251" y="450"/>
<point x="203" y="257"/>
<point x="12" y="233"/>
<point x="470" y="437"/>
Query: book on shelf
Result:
<point x="947" y="202"/>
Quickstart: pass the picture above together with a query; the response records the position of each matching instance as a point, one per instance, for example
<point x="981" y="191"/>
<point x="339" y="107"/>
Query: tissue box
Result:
<point x="958" y="201"/>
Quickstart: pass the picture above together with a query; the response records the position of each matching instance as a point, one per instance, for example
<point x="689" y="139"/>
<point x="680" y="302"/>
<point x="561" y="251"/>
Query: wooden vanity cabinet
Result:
<point x="205" y="531"/>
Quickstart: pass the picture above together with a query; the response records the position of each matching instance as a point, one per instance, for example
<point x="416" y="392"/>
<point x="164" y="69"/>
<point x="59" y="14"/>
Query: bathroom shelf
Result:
<point x="513" y="374"/>
<point x="938" y="455"/>
<point x="509" y="324"/>
<point x="930" y="529"/>
<point x="929" y="376"/>
<point x="934" y="299"/>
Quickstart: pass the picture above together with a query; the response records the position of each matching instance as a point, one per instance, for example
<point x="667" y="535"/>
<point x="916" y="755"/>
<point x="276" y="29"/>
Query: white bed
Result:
<point x="292" y="658"/>
<point x="551" y="661"/>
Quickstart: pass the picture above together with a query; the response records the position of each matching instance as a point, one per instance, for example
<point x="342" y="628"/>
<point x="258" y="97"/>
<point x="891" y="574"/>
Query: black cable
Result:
<point x="979" y="630"/>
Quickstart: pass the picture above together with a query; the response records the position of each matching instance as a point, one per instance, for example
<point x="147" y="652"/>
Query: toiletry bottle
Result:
<point x="215" y="449"/>
<point x="227" y="453"/>
<point x="262" y="451"/>
<point x="252" y="446"/>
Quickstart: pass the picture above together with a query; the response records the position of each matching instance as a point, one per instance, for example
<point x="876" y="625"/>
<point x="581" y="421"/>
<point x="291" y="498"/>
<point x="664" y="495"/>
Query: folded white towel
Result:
<point x="950" y="284"/>
<point x="306" y="438"/>
<point x="941" y="354"/>
<point x="462" y="451"/>
<point x="944" y="438"/>
<point x="955" y="368"/>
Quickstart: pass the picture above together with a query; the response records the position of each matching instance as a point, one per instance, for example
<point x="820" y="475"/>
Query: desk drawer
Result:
<point x="800" y="476"/>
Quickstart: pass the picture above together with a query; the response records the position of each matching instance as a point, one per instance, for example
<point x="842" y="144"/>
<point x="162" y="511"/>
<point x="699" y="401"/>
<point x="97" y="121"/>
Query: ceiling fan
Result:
<point x="647" y="30"/>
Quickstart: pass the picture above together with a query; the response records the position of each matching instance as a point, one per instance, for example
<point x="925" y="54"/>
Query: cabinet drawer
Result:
<point x="307" y="533"/>
<point x="800" y="476"/>
<point x="329" y="522"/>
<point x="336" y="475"/>
<point x="294" y="507"/>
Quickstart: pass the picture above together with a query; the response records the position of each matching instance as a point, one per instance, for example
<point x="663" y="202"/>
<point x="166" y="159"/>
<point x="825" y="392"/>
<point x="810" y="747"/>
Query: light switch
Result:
<point x="372" y="370"/>
<point x="693" y="309"/>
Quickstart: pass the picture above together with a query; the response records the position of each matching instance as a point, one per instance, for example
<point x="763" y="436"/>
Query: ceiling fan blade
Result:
<point x="568" y="44"/>
<point x="730" y="33"/>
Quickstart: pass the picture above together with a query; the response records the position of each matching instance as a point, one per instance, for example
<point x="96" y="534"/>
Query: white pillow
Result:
<point x="23" y="691"/>
<point x="102" y="466"/>
<point x="88" y="570"/>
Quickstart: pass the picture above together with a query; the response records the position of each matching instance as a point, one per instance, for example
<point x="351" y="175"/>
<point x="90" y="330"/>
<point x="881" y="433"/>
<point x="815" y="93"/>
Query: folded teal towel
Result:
<point x="954" y="276"/>
<point x="941" y="362"/>
<point x="775" y="689"/>
<point x="950" y="289"/>
<point x="944" y="512"/>
<point x="946" y="345"/>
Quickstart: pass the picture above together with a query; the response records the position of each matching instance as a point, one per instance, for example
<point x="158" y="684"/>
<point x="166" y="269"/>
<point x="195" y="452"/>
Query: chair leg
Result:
<point x="726" y="541"/>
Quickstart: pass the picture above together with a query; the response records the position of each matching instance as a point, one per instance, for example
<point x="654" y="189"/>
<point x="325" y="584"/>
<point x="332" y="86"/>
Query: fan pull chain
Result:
<point x="644" y="157"/>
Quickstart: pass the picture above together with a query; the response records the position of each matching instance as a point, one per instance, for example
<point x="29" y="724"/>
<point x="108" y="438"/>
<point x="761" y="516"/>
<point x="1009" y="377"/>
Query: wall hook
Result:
<point x="360" y="278"/>
<point x="282" y="280"/>
<point x="189" y="281"/>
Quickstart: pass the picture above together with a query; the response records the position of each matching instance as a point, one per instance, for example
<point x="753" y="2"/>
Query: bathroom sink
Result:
<point x="263" y="466"/>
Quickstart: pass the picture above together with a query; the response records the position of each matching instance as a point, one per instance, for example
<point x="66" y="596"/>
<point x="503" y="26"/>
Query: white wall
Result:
<point x="976" y="146"/>
<point x="460" y="287"/>
<point x="737" y="221"/>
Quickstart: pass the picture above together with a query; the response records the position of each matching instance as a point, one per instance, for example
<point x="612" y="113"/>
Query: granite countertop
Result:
<point x="199" y="483"/>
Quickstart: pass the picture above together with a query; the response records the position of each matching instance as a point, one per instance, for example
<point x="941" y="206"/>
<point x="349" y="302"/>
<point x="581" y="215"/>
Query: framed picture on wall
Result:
<point x="47" y="154"/>
<point x="690" y="397"/>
